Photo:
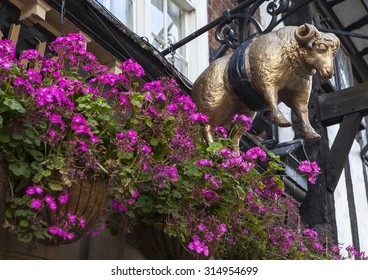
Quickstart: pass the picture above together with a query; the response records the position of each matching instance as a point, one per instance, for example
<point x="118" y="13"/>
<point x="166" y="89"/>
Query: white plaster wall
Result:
<point x="286" y="133"/>
<point x="360" y="196"/>
<point x="344" y="236"/>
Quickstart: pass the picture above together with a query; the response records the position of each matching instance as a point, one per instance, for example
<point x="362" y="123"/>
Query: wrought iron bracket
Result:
<point x="236" y="25"/>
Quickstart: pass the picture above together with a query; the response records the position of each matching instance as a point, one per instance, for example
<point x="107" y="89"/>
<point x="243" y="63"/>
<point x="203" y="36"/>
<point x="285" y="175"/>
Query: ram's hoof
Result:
<point x="312" y="136"/>
<point x="282" y="122"/>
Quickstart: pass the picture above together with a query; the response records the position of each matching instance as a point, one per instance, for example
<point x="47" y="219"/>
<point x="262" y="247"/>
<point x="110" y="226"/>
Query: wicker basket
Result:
<point x="154" y="244"/>
<point x="87" y="198"/>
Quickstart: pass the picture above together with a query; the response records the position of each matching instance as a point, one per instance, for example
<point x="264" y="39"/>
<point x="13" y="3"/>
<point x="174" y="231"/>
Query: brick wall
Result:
<point x="215" y="10"/>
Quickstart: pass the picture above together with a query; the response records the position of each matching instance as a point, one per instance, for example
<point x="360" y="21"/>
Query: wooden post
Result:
<point x="14" y="33"/>
<point x="41" y="47"/>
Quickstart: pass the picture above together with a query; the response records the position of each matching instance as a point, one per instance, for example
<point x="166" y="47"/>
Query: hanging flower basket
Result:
<point x="87" y="201"/>
<point x="59" y="216"/>
<point x="154" y="244"/>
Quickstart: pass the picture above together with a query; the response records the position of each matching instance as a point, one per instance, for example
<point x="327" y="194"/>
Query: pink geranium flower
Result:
<point x="36" y="203"/>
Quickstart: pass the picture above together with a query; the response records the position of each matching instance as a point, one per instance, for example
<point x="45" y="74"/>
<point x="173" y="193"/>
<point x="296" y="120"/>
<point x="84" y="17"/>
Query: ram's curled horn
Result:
<point x="305" y="33"/>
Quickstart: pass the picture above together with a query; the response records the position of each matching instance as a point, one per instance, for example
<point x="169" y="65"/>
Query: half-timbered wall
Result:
<point x="342" y="214"/>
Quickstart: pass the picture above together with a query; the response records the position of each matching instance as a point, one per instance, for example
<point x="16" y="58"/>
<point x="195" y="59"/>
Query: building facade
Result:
<point x="116" y="30"/>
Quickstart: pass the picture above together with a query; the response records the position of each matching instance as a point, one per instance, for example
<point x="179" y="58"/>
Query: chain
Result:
<point x="172" y="52"/>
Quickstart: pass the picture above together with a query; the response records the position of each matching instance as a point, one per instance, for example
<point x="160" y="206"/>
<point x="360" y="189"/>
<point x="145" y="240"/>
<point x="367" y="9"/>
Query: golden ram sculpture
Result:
<point x="268" y="69"/>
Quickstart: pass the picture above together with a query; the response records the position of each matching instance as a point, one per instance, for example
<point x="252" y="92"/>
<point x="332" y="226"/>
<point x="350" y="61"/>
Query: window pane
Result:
<point x="157" y="19"/>
<point x="343" y="69"/>
<point x="174" y="23"/>
<point x="123" y="10"/>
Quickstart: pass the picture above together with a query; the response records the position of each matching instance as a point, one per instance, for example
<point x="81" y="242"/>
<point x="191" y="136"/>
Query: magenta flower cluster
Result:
<point x="207" y="234"/>
<point x="243" y="121"/>
<point x="62" y="227"/>
<point x="38" y="200"/>
<point x="311" y="169"/>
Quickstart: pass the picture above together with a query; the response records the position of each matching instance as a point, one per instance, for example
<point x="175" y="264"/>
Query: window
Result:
<point x="165" y="22"/>
<point x="122" y="10"/>
<point x="168" y="27"/>
<point x="343" y="76"/>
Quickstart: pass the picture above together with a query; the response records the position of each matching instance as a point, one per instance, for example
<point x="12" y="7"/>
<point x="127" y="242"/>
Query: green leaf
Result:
<point x="55" y="185"/>
<point x="8" y="213"/>
<point x="92" y="122"/>
<point x="21" y="213"/>
<point x="177" y="195"/>
<point x="280" y="183"/>
<point x="193" y="171"/>
<point x="22" y="185"/>
<point x="37" y="155"/>
<point x="130" y="214"/>
<point x="13" y="143"/>
<point x="29" y="133"/>
<point x="39" y="235"/>
<point x="214" y="146"/>
<point x="154" y="141"/>
<point x="136" y="103"/>
<point x="56" y="163"/>
<point x="134" y="121"/>
<point x="4" y="138"/>
<point x="20" y="168"/>
<point x="105" y="117"/>
<point x="1" y="121"/>
<point x="37" y="178"/>
<point x="14" y="105"/>
<point x="145" y="202"/>
<point x="17" y="136"/>
<point x="128" y="155"/>
<point x="149" y="122"/>
<point x="27" y="141"/>
<point x="240" y="192"/>
<point x="46" y="173"/>
<point x="23" y="223"/>
<point x="18" y="201"/>
<point x="25" y="237"/>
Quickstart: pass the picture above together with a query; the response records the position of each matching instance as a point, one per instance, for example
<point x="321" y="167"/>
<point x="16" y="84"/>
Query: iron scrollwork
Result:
<point x="234" y="29"/>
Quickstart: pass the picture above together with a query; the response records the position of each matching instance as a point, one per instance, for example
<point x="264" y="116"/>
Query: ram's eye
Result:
<point x="322" y="47"/>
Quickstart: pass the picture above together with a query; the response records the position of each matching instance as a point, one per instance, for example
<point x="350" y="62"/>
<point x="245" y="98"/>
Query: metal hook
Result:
<point x="172" y="52"/>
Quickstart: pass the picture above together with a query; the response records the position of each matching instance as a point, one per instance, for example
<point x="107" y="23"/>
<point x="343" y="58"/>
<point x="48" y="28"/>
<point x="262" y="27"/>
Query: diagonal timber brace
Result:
<point x="346" y="107"/>
<point x="339" y="152"/>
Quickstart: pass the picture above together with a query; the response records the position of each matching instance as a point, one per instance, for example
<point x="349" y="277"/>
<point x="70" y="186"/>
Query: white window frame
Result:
<point x="195" y="17"/>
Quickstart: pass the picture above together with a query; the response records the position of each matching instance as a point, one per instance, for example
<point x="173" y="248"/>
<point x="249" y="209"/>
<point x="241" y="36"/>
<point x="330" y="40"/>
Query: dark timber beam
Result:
<point x="358" y="24"/>
<point x="336" y="2"/>
<point x="340" y="149"/>
<point x="364" y="52"/>
<point x="334" y="106"/>
<point x="347" y="107"/>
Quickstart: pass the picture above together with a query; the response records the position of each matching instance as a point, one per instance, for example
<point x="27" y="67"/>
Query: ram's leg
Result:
<point x="277" y="117"/>
<point x="301" y="110"/>
<point x="208" y="130"/>
<point x="236" y="138"/>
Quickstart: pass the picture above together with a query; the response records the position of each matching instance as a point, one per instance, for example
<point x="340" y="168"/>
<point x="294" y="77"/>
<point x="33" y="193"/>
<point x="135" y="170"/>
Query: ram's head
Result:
<point x="320" y="49"/>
